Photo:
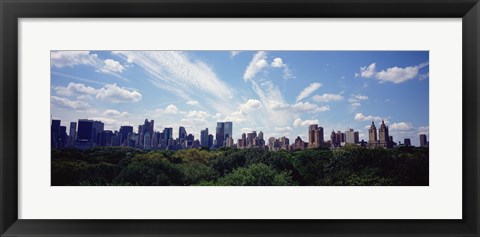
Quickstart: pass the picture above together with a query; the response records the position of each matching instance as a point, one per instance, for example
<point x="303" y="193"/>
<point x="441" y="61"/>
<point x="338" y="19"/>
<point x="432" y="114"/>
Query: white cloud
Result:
<point x="423" y="130"/>
<point x="308" y="90"/>
<point x="192" y="102"/>
<point x="181" y="74"/>
<point x="401" y="126"/>
<point x="75" y="89"/>
<point x="256" y="65"/>
<point x="277" y="63"/>
<point x="171" y="109"/>
<point x="355" y="100"/>
<point x="362" y="117"/>
<point x="309" y="107"/>
<point x="327" y="97"/>
<point x="251" y="104"/>
<point x="304" y="123"/>
<point x="68" y="104"/>
<point x="197" y="114"/>
<point x="236" y="117"/>
<point x="367" y="72"/>
<point x="114" y="94"/>
<point x="61" y="59"/>
<point x="423" y="76"/>
<point x="283" y="129"/>
<point x="395" y="75"/>
<point x="111" y="65"/>
<point x="234" y="53"/>
<point x="116" y="113"/>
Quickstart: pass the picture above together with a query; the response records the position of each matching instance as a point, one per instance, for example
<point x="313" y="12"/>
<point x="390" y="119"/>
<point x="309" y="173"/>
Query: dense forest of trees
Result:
<point x="350" y="165"/>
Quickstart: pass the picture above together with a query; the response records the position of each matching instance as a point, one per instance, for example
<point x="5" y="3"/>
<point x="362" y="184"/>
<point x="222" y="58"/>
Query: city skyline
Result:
<point x="91" y="133"/>
<point x="278" y="92"/>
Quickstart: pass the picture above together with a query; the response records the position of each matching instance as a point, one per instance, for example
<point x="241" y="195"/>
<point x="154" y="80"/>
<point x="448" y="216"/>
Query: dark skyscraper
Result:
<point x="210" y="140"/>
<point x="423" y="140"/>
<point x="73" y="133"/>
<point x="182" y="133"/>
<point x="85" y="131"/>
<point x="123" y="134"/>
<point x="220" y="135"/>
<point x="168" y="134"/>
<point x="204" y="138"/>
<point x="62" y="141"/>
<point x="106" y="138"/>
<point x="55" y="133"/>
<point x="228" y="132"/>
<point x="407" y="142"/>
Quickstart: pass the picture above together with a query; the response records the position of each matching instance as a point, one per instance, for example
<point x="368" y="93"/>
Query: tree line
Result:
<point x="347" y="166"/>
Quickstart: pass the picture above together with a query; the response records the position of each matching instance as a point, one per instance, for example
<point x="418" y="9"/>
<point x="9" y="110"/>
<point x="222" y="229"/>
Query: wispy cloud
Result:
<point x="258" y="62"/>
<point x="68" y="104"/>
<point x="327" y="97"/>
<point x="308" y="90"/>
<point x="60" y="59"/>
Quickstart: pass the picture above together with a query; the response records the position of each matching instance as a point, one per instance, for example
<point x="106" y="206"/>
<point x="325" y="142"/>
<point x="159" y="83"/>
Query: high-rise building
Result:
<point x="228" y="132"/>
<point x="145" y="134"/>
<point x="333" y="139"/>
<point x="423" y="140"/>
<point x="86" y="132"/>
<point x="73" y="133"/>
<point x="210" y="140"/>
<point x="315" y="136"/>
<point x="98" y="127"/>
<point x="407" y="142"/>
<point x="107" y="136"/>
<point x="229" y="142"/>
<point x="62" y="141"/>
<point x="299" y="144"/>
<point x="351" y="137"/>
<point x="383" y="136"/>
<point x="372" y="135"/>
<point x="124" y="132"/>
<point x="55" y="133"/>
<point x="204" y="138"/>
<point x="189" y="139"/>
<point x="182" y="133"/>
<point x="220" y="135"/>
<point x="168" y="134"/>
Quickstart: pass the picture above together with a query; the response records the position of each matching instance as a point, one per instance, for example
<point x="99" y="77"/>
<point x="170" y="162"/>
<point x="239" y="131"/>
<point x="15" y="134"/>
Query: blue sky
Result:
<point x="277" y="92"/>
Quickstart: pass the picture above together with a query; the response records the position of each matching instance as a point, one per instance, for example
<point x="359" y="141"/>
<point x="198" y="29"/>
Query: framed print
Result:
<point x="239" y="118"/>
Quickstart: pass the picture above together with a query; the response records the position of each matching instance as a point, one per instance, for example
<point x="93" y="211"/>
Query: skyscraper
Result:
<point x="351" y="137"/>
<point x="62" y="141"/>
<point x="123" y="134"/>
<point x="383" y="136"/>
<point x="204" y="138"/>
<point x="315" y="136"/>
<point x="220" y="135"/>
<point x="73" y="133"/>
<point x="423" y="140"/>
<point x="86" y="131"/>
<point x="145" y="133"/>
<point x="182" y="133"/>
<point x="210" y="140"/>
<point x="55" y="133"/>
<point x="407" y="142"/>
<point x="228" y="131"/>
<point x="372" y="135"/>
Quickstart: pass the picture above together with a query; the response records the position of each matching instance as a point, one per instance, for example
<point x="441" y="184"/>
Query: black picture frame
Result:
<point x="12" y="10"/>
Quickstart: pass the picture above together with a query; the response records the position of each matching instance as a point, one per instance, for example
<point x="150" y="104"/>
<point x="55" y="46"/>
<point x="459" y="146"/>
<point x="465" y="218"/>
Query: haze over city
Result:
<point x="279" y="93"/>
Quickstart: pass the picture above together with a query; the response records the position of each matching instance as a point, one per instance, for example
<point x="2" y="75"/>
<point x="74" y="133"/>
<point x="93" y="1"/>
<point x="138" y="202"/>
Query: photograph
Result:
<point x="239" y="118"/>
